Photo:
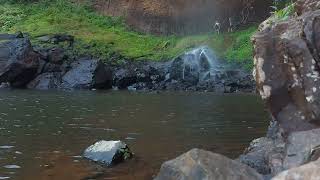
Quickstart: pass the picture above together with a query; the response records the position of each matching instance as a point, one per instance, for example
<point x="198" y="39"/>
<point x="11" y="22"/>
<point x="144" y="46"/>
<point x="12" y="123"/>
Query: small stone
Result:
<point x="108" y="152"/>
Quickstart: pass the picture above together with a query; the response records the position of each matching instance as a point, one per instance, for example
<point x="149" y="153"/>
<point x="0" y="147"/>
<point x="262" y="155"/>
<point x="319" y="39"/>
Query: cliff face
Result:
<point x="183" y="16"/>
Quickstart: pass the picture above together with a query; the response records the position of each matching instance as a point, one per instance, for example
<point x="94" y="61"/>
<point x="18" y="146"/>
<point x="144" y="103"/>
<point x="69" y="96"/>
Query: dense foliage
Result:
<point x="107" y="36"/>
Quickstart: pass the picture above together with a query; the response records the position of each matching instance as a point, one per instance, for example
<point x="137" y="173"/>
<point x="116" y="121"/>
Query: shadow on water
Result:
<point x="42" y="134"/>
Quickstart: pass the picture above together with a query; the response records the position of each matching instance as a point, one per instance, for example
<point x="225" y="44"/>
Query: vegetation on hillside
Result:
<point x="107" y="36"/>
<point x="283" y="9"/>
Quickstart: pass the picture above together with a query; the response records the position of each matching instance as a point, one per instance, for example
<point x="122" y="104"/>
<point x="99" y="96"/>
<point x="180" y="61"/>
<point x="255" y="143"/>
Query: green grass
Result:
<point x="106" y="37"/>
<point x="284" y="13"/>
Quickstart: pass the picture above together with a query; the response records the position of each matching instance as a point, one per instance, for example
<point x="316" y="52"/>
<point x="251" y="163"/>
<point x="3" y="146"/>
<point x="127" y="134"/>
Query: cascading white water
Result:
<point x="201" y="61"/>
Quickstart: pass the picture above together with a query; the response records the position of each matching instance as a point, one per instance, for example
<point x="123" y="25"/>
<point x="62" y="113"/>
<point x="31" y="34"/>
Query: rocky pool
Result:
<point x="43" y="133"/>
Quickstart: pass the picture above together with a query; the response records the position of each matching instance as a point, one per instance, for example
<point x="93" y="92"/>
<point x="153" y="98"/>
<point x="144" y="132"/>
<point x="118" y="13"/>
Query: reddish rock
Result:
<point x="183" y="16"/>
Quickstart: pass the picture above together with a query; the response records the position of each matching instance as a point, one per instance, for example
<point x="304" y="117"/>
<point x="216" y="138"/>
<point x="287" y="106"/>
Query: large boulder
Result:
<point x="86" y="74"/>
<point x="310" y="171"/>
<point x="286" y="58"/>
<point x="301" y="148"/>
<point x="200" y="164"/>
<point x="18" y="62"/>
<point x="108" y="152"/>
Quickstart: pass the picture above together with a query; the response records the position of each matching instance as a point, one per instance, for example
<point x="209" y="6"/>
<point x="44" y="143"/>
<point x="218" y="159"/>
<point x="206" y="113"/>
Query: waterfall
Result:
<point x="201" y="61"/>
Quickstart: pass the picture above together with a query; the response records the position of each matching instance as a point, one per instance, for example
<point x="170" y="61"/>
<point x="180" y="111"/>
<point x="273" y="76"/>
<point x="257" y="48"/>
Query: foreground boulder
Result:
<point x="108" y="152"/>
<point x="310" y="171"/>
<point x="87" y="74"/>
<point x="18" y="62"/>
<point x="302" y="147"/>
<point x="200" y="164"/>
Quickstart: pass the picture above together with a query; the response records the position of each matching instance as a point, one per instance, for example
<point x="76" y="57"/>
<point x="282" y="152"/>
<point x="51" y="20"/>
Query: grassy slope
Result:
<point x="107" y="36"/>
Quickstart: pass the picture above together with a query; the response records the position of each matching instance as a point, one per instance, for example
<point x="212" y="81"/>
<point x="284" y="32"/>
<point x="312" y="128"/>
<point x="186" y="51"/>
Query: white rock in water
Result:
<point x="108" y="152"/>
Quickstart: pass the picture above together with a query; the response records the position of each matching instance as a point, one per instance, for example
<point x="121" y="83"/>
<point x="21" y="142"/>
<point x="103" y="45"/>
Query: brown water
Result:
<point x="43" y="133"/>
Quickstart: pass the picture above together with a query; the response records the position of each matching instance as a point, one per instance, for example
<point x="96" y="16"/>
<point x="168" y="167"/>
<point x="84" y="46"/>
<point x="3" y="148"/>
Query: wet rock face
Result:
<point x="287" y="68"/>
<point x="18" y="61"/>
<point x="201" y="70"/>
<point x="200" y="164"/>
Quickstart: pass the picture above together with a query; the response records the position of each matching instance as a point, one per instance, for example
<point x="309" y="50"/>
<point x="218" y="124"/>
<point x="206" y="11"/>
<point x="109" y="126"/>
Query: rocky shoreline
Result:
<point x="26" y="66"/>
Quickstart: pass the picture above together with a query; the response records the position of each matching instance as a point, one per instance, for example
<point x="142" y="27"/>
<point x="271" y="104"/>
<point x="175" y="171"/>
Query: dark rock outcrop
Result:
<point x="40" y="68"/>
<point x="87" y="74"/>
<point x="200" y="164"/>
<point x="52" y="68"/>
<point x="18" y="62"/>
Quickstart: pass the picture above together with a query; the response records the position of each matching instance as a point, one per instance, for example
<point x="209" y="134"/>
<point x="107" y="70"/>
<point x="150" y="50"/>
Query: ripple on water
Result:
<point x="130" y="138"/>
<point x="4" y="177"/>
<point x="12" y="166"/>
<point x="6" y="147"/>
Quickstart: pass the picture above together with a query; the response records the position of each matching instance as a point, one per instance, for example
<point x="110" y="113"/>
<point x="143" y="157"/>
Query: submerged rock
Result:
<point x="108" y="152"/>
<point x="200" y="164"/>
<point x="18" y="62"/>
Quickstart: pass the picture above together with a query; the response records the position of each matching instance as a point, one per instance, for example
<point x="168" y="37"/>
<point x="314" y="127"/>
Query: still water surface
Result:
<point x="42" y="134"/>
